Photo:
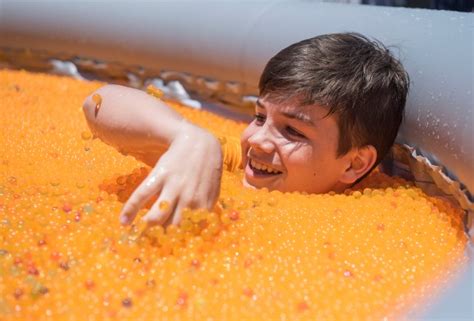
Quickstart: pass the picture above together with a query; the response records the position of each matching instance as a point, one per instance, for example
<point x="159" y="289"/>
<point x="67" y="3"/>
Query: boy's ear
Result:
<point x="362" y="159"/>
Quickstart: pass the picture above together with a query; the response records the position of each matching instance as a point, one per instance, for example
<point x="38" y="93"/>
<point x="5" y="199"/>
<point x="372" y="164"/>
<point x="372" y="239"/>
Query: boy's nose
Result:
<point x="261" y="140"/>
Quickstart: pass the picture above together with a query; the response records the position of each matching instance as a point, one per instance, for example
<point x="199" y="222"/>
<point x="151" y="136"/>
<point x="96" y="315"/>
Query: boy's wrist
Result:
<point x="198" y="135"/>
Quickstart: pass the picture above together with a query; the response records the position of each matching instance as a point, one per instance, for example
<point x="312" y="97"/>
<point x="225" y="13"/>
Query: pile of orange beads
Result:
<point x="372" y="252"/>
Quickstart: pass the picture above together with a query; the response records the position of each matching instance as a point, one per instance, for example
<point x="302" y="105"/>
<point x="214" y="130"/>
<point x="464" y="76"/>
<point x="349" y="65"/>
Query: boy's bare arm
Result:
<point x="132" y="121"/>
<point x="142" y="126"/>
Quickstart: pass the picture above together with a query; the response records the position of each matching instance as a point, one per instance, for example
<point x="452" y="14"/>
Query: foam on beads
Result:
<point x="365" y="254"/>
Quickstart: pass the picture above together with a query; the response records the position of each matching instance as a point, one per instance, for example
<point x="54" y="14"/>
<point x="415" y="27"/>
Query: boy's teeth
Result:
<point x="262" y="167"/>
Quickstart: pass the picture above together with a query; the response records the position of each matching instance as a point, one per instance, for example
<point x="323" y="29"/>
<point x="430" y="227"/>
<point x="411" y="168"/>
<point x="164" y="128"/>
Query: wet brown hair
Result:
<point x="356" y="78"/>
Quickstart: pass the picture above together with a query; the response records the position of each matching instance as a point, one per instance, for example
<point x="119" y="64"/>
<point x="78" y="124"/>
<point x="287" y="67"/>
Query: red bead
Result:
<point x="182" y="299"/>
<point x="248" y="292"/>
<point x="377" y="278"/>
<point x="55" y="256"/>
<point x="195" y="263"/>
<point x="302" y="306"/>
<point x="234" y="215"/>
<point x="127" y="303"/>
<point x="64" y="266"/>
<point x="67" y="207"/>
<point x="32" y="270"/>
<point x="248" y="262"/>
<point x="18" y="293"/>
<point x="89" y="284"/>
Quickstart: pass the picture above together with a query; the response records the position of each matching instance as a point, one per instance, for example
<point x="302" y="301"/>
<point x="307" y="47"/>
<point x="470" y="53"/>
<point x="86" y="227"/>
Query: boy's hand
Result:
<point x="187" y="175"/>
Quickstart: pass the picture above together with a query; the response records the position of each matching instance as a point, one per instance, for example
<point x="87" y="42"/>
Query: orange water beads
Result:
<point x="367" y="254"/>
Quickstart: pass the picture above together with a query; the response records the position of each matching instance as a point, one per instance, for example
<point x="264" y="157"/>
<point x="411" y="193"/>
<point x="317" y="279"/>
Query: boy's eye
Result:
<point x="259" y="119"/>
<point x="294" y="132"/>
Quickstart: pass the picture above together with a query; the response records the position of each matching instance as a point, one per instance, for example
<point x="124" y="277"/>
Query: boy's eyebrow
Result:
<point x="259" y="104"/>
<point x="298" y="116"/>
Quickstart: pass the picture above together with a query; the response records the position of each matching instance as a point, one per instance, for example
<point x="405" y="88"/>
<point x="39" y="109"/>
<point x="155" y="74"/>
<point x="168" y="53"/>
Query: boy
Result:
<point x="329" y="110"/>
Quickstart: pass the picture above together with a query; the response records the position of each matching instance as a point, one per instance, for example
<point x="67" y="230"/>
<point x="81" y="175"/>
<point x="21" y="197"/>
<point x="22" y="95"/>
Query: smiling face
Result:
<point x="293" y="148"/>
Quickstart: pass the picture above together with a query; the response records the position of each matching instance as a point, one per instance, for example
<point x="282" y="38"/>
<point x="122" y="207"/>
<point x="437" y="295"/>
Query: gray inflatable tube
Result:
<point x="220" y="48"/>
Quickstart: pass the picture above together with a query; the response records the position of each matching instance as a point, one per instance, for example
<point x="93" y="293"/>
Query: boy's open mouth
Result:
<point x="260" y="169"/>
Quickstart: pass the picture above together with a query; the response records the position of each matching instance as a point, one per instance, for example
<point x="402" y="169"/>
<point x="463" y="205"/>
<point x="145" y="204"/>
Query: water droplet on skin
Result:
<point x="97" y="99"/>
<point x="164" y="205"/>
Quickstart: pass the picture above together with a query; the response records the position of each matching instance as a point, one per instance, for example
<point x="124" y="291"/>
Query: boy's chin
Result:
<point x="247" y="184"/>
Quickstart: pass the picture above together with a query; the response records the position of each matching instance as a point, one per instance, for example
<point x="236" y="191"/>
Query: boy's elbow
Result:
<point x="104" y="121"/>
<point x="91" y="107"/>
<point x="89" y="104"/>
<point x="88" y="109"/>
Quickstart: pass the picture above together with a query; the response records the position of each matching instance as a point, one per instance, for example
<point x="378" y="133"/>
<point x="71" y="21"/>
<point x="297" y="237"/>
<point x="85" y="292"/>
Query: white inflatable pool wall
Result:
<point x="229" y="43"/>
<point x="232" y="40"/>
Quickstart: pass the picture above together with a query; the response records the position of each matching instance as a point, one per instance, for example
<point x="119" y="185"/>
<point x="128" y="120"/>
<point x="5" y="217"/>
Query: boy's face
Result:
<point x="288" y="147"/>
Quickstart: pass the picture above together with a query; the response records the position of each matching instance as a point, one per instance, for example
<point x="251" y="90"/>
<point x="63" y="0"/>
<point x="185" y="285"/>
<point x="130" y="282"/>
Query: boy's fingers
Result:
<point x="162" y="208"/>
<point x="190" y="204"/>
<point x="149" y="187"/>
<point x="177" y="214"/>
